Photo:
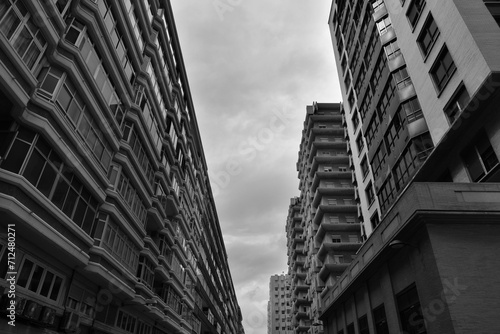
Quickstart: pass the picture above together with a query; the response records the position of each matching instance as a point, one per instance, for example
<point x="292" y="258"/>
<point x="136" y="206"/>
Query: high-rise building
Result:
<point x="108" y="223"/>
<point x="421" y="83"/>
<point x="323" y="231"/>
<point x="279" y="305"/>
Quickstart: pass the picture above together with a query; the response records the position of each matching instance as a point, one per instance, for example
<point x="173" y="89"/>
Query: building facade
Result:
<point x="323" y="230"/>
<point x="421" y="81"/>
<point x="103" y="176"/>
<point x="279" y="307"/>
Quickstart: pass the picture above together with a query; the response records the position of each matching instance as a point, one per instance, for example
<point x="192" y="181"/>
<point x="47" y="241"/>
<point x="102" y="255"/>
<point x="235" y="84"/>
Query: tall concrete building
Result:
<point x="323" y="231"/>
<point x="103" y="180"/>
<point x="421" y="83"/>
<point x="279" y="309"/>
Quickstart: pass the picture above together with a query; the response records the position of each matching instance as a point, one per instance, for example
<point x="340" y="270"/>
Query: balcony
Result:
<point x="328" y="227"/>
<point x="322" y="209"/>
<point x="337" y="247"/>
<point x="331" y="191"/>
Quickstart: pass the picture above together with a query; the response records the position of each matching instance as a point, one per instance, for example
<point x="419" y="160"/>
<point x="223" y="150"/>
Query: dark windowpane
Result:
<point x="16" y="157"/>
<point x="34" y="167"/>
<point x="70" y="202"/>
<point x="22" y="279"/>
<point x="50" y="83"/>
<point x="46" y="284"/>
<point x="9" y="24"/>
<point x="80" y="212"/>
<point x="56" y="288"/>
<point x="35" y="278"/>
<point x="47" y="180"/>
<point x="60" y="193"/>
<point x="64" y="98"/>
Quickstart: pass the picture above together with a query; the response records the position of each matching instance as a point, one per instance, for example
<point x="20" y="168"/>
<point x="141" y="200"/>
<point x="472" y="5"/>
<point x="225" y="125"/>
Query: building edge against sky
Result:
<point x="323" y="230"/>
<point x="279" y="317"/>
<point x="103" y="175"/>
<point x="421" y="115"/>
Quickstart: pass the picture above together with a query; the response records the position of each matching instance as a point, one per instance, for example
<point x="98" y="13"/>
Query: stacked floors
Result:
<point x="322" y="226"/>
<point x="103" y="175"/>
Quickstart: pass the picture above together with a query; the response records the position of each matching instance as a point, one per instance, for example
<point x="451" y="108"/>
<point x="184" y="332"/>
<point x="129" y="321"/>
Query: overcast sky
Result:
<point x="253" y="66"/>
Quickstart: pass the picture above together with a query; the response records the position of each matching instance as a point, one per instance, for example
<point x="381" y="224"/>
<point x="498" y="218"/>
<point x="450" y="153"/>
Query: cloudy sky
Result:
<point x="253" y="66"/>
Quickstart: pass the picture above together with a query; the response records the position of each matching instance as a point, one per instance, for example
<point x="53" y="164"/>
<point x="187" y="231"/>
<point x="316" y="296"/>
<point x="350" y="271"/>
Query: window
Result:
<point x="336" y="238"/>
<point x="386" y="97"/>
<point x="411" y="110"/>
<point x="379" y="159"/>
<point x="118" y="244"/>
<point x="126" y="322"/>
<point x="350" y="329"/>
<point x="370" y="195"/>
<point x="131" y="136"/>
<point x="387" y="193"/>
<point x="363" y="109"/>
<point x="442" y="69"/>
<point x="57" y="86"/>
<point x="457" y="103"/>
<point x="117" y="39"/>
<point x="146" y="271"/>
<point x="410" y="312"/>
<point x="18" y="26"/>
<point x="414" y="10"/>
<point x="350" y="219"/>
<point x="393" y="131"/>
<point x="372" y="129"/>
<point x="32" y="157"/>
<point x="364" y="166"/>
<point x="375" y="220"/>
<point x="428" y="36"/>
<point x="480" y="158"/>
<point x="383" y="25"/>
<point x="351" y="99"/>
<point x="355" y="120"/>
<point x="379" y="70"/>
<point x="401" y="78"/>
<point x="380" y="320"/>
<point x="363" y="325"/>
<point x="377" y="5"/>
<point x="392" y="50"/>
<point x="40" y="280"/>
<point x="371" y="46"/>
<point x="131" y="197"/>
<point x="360" y="143"/>
<point x="361" y="78"/>
<point x="494" y="8"/>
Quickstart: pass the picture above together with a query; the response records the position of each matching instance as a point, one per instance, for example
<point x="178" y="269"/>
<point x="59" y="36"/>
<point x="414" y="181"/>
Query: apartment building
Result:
<point x="279" y="305"/>
<point x="323" y="230"/>
<point x="103" y="175"/>
<point x="421" y="81"/>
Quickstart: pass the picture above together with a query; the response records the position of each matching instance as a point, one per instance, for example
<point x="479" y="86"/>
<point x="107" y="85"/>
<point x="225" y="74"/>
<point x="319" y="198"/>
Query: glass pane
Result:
<point x="35" y="279"/>
<point x="74" y="112"/>
<point x="22" y="279"/>
<point x="70" y="202"/>
<point x="16" y="157"/>
<point x="56" y="288"/>
<point x="9" y="24"/>
<point x="64" y="98"/>
<point x="49" y="277"/>
<point x="22" y="41"/>
<point x="47" y="180"/>
<point x="60" y="193"/>
<point x="50" y="83"/>
<point x="34" y="167"/>
<point x="80" y="212"/>
<point x="31" y="56"/>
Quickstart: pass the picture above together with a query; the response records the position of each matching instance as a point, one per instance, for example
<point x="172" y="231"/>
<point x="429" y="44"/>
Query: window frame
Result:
<point x="425" y="31"/>
<point x="443" y="83"/>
